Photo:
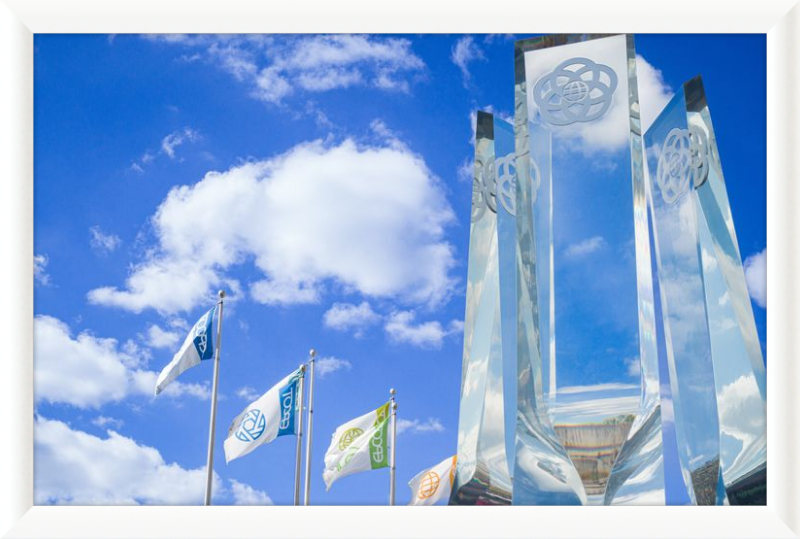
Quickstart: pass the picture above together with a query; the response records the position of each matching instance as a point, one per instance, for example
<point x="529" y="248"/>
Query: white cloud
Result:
<point x="464" y="52"/>
<point x="384" y="236"/>
<point x="40" y="275"/>
<point x="415" y="426"/>
<point x="102" y="242"/>
<point x="634" y="366"/>
<point x="161" y="338"/>
<point x="466" y="170"/>
<point x="654" y="93"/>
<point x="346" y="316"/>
<point x="103" y="422"/>
<point x="88" y="371"/>
<point x="277" y="67"/>
<point x="327" y="365"/>
<point x="246" y="495"/>
<point x="585" y="247"/>
<point x="175" y="139"/>
<point x="74" y="467"/>
<point x="401" y="329"/>
<point x="247" y="393"/>
<point x="595" y="410"/>
<point x="755" y="273"/>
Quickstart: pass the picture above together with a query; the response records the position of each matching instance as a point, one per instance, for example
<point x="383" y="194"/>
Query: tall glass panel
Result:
<point x="485" y="429"/>
<point x="716" y="366"/>
<point x="585" y="285"/>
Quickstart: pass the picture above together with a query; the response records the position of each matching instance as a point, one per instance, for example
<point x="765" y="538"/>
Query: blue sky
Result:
<point x="319" y="180"/>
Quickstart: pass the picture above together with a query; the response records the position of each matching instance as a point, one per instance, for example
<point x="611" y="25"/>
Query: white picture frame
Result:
<point x="21" y="19"/>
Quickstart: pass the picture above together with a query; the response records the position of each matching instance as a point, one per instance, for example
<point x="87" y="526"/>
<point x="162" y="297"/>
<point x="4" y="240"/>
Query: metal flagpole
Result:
<point x="393" y="406"/>
<point x="299" y="453"/>
<point x="213" y="420"/>
<point x="311" y="355"/>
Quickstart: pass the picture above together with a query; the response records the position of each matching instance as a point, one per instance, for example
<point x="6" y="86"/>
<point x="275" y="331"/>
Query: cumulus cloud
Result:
<point x="74" y="467"/>
<point x="464" y="52"/>
<point x="384" y="236"/>
<point x="103" y="243"/>
<point x="247" y="393"/>
<point x="401" y="328"/>
<point x="274" y="68"/>
<point x="585" y="247"/>
<point x="88" y="371"/>
<point x="40" y="275"/>
<point x="246" y="495"/>
<point x="415" y="426"/>
<point x="162" y="338"/>
<point x="755" y="273"/>
<point x="347" y="316"/>
<point x="654" y="92"/>
<point x="328" y="365"/>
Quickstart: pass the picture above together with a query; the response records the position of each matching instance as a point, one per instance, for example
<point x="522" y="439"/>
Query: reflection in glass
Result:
<point x="584" y="275"/>
<point x="485" y="429"/>
<point x="716" y="365"/>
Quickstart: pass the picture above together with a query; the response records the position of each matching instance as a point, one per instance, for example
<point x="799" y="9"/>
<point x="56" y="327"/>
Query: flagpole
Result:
<point x="213" y="420"/>
<point x="299" y="451"/>
<point x="392" y="392"/>
<point x="311" y="355"/>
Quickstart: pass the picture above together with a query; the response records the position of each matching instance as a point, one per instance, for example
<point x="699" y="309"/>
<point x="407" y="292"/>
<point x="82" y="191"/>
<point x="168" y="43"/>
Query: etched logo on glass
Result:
<point x="507" y="182"/>
<point x="487" y="193"/>
<point x="577" y="90"/>
<point x="683" y="162"/>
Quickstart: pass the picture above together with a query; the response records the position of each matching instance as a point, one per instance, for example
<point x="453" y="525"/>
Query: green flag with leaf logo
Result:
<point x="359" y="445"/>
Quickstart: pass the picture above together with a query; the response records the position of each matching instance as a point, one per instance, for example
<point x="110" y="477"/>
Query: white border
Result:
<point x="19" y="18"/>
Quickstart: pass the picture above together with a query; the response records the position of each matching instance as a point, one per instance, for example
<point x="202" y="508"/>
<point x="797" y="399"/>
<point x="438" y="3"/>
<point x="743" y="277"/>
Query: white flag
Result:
<point x="274" y="414"/>
<point x="359" y="445"/>
<point x="199" y="345"/>
<point x="434" y="484"/>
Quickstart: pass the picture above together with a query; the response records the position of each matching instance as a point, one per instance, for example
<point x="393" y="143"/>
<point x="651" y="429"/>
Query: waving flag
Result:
<point x="433" y="484"/>
<point x="274" y="414"/>
<point x="198" y="346"/>
<point x="359" y="445"/>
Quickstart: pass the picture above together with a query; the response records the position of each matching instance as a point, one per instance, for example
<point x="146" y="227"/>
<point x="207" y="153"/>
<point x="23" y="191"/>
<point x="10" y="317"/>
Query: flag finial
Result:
<point x="312" y="352"/>
<point x="221" y="294"/>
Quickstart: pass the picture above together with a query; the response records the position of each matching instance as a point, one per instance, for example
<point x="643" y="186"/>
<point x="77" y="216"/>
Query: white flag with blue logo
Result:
<point x="274" y="414"/>
<point x="199" y="345"/>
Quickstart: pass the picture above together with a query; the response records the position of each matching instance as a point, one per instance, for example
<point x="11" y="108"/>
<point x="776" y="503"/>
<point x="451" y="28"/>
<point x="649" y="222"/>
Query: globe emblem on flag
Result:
<point x="252" y="426"/>
<point x="428" y="486"/>
<point x="349" y="437"/>
<point x="577" y="90"/>
<point x="200" y="337"/>
<point x="683" y="162"/>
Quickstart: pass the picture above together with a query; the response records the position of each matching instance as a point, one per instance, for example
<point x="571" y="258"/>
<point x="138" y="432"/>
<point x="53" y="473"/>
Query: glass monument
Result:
<point x="717" y="371"/>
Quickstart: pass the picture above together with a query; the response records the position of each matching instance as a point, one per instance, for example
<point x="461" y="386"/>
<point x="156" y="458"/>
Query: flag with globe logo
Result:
<point x="274" y="414"/>
<point x="197" y="347"/>
<point x="359" y="445"/>
<point x="433" y="484"/>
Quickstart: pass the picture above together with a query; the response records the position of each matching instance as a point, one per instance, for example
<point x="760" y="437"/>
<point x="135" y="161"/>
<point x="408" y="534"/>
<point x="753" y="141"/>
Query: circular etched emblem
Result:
<point x="507" y="182"/>
<point x="483" y="191"/>
<point x="348" y="437"/>
<point x="577" y="90"/>
<point x="683" y="162"/>
<point x="252" y="426"/>
<point x="428" y="486"/>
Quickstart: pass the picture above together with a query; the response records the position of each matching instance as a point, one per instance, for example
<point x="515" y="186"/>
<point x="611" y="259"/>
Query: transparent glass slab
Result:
<point x="717" y="370"/>
<point x="585" y="292"/>
<point x="488" y="382"/>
